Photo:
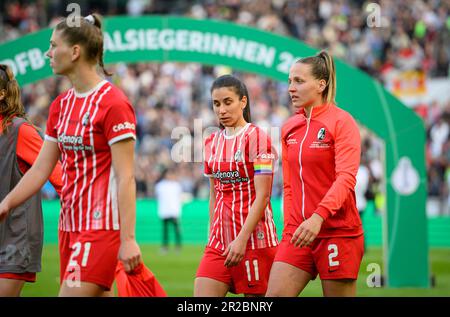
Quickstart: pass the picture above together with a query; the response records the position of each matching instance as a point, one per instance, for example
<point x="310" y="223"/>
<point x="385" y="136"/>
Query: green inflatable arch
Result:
<point x="164" y="38"/>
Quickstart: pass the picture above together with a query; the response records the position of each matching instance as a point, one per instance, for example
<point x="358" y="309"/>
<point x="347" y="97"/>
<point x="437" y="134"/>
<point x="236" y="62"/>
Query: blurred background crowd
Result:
<point x="413" y="36"/>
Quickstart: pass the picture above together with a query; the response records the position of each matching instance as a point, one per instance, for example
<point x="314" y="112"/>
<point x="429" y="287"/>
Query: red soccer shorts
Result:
<point x="250" y="276"/>
<point x="331" y="258"/>
<point x="89" y="256"/>
<point x="27" y="277"/>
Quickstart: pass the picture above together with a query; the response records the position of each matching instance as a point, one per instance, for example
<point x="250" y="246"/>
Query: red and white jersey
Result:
<point x="234" y="161"/>
<point x="85" y="126"/>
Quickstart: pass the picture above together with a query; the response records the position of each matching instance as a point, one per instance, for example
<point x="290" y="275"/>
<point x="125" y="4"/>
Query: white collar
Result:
<point x="90" y="91"/>
<point x="237" y="133"/>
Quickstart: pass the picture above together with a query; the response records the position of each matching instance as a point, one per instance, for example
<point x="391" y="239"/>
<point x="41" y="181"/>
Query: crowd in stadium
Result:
<point x="413" y="35"/>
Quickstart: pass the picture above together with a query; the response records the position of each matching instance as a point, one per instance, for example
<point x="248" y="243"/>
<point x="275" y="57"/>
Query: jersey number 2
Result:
<point x="255" y="267"/>
<point x="76" y="251"/>
<point x="333" y="255"/>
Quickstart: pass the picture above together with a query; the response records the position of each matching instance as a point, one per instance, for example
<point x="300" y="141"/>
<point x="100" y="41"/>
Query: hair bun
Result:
<point x="90" y="19"/>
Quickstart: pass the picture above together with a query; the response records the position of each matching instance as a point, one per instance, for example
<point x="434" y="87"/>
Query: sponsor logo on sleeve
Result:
<point x="124" y="126"/>
<point x="266" y="156"/>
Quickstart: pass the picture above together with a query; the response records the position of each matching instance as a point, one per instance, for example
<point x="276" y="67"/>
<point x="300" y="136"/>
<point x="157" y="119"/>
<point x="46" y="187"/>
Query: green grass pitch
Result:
<point x="176" y="272"/>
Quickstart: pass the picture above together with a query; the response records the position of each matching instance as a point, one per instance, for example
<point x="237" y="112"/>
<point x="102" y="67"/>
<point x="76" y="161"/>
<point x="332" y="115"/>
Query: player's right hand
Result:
<point x="235" y="252"/>
<point x="130" y="255"/>
<point x="307" y="232"/>
<point x="4" y="211"/>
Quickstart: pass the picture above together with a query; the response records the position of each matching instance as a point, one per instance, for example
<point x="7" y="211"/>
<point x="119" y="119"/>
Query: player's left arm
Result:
<point x="122" y="153"/>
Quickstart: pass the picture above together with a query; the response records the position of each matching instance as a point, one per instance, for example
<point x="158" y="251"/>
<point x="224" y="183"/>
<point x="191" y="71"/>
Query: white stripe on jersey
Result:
<point x="249" y="191"/>
<point x="62" y="115"/>
<point x="269" y="220"/>
<point x="114" y="201"/>
<point x="266" y="226"/>
<point x="76" y="181"/>
<point x="63" y="223"/>
<point x="80" y="213"/>
<point x="64" y="160"/>
<point x="272" y="226"/>
<point x="221" y="190"/>
<point x="85" y="163"/>
<point x="217" y="200"/>
<point x="210" y="155"/>
<point x="212" y="146"/>
<point x="94" y="159"/>
<point x="210" y="238"/>
<point x="108" y="204"/>
<point x="234" y="198"/>
<point x="240" y="185"/>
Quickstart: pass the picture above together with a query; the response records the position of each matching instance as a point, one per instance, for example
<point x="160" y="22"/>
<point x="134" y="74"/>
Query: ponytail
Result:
<point x="89" y="35"/>
<point x="323" y="67"/>
<point x="98" y="23"/>
<point x="329" y="92"/>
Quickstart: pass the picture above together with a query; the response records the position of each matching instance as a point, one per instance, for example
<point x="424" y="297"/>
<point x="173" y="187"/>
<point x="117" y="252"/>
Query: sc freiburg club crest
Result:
<point x="85" y="119"/>
<point x="321" y="134"/>
<point x="238" y="156"/>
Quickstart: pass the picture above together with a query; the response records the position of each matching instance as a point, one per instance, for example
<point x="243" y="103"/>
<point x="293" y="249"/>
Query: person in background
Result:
<point x="22" y="230"/>
<point x="169" y="197"/>
<point x="362" y="185"/>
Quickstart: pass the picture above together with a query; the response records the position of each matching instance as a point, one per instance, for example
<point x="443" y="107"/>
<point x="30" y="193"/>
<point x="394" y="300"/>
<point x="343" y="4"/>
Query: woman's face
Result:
<point x="228" y="107"/>
<point x="61" y="54"/>
<point x="304" y="89"/>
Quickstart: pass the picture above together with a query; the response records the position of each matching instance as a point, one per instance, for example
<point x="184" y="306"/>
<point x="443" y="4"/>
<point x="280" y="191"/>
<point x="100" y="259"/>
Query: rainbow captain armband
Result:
<point x="263" y="166"/>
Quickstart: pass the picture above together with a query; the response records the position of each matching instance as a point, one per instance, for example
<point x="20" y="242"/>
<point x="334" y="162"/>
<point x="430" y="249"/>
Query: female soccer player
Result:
<point x="92" y="128"/>
<point x="239" y="161"/>
<point x="321" y="151"/>
<point x="22" y="231"/>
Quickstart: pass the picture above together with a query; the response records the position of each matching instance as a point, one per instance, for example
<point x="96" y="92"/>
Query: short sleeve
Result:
<point x="51" y="133"/>
<point x="29" y="144"/>
<point x="261" y="154"/>
<point x="207" y="170"/>
<point x="119" y="122"/>
<point x="208" y="153"/>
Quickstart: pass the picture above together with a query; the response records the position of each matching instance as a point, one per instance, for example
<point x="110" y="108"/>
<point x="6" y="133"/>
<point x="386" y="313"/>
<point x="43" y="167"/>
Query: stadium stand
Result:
<point x="415" y="35"/>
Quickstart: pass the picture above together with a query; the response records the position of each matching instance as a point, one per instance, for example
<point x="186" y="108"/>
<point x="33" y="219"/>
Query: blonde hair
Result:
<point x="322" y="67"/>
<point x="89" y="35"/>
<point x="11" y="106"/>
